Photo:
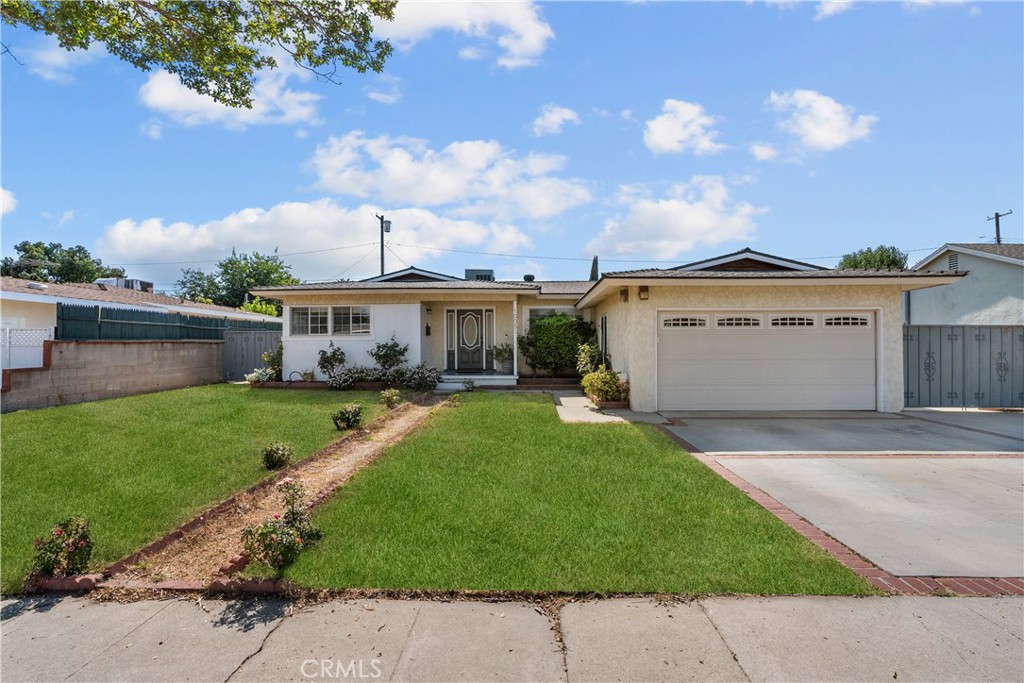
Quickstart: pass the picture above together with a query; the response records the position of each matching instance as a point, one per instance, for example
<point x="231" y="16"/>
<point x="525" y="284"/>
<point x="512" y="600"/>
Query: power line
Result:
<point x="293" y="253"/>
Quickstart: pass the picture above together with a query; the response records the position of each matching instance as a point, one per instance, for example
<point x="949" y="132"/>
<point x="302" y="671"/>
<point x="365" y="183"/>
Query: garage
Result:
<point x="766" y="360"/>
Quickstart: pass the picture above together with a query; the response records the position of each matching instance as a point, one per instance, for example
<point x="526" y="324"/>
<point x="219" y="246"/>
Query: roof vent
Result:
<point x="38" y="285"/>
<point x="528" y="278"/>
<point x="954" y="262"/>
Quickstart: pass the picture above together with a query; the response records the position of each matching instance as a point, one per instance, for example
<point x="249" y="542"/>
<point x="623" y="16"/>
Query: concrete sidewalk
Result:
<point x="721" y="639"/>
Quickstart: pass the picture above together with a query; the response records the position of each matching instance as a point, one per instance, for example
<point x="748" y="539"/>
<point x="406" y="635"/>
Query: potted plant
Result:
<point x="503" y="357"/>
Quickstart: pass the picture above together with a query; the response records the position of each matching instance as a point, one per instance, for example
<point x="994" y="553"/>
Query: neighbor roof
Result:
<point x="17" y="289"/>
<point x="411" y="272"/>
<point x="749" y="254"/>
<point x="1007" y="253"/>
<point x="400" y="285"/>
<point x="560" y="287"/>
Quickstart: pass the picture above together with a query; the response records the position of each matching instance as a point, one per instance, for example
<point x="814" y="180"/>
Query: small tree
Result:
<point x="879" y="258"/>
<point x="552" y="343"/>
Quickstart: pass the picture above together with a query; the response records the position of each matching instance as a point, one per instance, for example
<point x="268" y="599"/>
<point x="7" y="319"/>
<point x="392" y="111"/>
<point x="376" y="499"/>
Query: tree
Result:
<point x="216" y="48"/>
<point x="235" y="276"/>
<point x="55" y="263"/>
<point x="595" y="273"/>
<point x="879" y="258"/>
<point x="261" y="306"/>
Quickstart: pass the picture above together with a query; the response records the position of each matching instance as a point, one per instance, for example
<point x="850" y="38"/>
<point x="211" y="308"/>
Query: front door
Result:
<point x="470" y="336"/>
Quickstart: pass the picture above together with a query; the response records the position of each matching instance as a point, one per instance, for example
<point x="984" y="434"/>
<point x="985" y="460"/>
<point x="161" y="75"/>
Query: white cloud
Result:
<point x="830" y="8"/>
<point x="53" y="63"/>
<point x="763" y="151"/>
<point x="517" y="27"/>
<point x="387" y="92"/>
<point x="818" y="121"/>
<point x="697" y="213"/>
<point x="472" y="178"/>
<point x="626" y="114"/>
<point x="298" y="227"/>
<point x="8" y="202"/>
<point x="683" y="126"/>
<point x="152" y="128"/>
<point x="469" y="53"/>
<point x="552" y="118"/>
<point x="273" y="102"/>
<point x="66" y="217"/>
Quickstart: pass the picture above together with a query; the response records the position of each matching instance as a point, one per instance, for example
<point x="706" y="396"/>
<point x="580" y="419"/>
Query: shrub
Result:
<point x="421" y="378"/>
<point x="349" y="417"/>
<point x="503" y="352"/>
<point x="274" y="543"/>
<point x="552" y="342"/>
<point x="66" y="550"/>
<point x="455" y="400"/>
<point x="277" y="455"/>
<point x="331" y="361"/>
<point x="260" y="375"/>
<point x="391" y="398"/>
<point x="307" y="375"/>
<point x="389" y="354"/>
<point x="468" y="385"/>
<point x="274" y="361"/>
<point x="587" y="357"/>
<point x="605" y="385"/>
<point x="296" y="513"/>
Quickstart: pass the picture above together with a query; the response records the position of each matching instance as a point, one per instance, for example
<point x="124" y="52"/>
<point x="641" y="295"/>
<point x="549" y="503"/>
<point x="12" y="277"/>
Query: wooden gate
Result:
<point x="243" y="351"/>
<point x="963" y="366"/>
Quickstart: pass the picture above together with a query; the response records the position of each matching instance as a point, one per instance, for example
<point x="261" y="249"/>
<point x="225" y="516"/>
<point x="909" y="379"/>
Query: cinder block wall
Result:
<point x="77" y="372"/>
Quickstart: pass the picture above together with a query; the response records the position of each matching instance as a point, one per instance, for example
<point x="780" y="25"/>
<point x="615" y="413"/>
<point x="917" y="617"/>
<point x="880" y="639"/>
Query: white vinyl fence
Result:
<point x="23" y="347"/>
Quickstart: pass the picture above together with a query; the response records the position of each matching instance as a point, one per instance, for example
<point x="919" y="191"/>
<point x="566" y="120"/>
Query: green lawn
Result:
<point x="138" y="467"/>
<point x="498" y="494"/>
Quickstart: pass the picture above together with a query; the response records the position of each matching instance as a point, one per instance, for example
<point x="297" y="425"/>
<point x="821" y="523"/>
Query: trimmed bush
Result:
<point x="277" y="455"/>
<point x="349" y="417"/>
<point x="66" y="550"/>
<point x="552" y="343"/>
<point x="604" y="385"/>
<point x="389" y="355"/>
<point x="391" y="398"/>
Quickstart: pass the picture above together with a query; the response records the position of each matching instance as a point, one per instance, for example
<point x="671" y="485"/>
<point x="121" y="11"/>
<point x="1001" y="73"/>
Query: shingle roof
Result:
<point x="401" y="285"/>
<point x="567" y="287"/>
<point x="766" y="275"/>
<point x="1014" y="251"/>
<point x="88" y="291"/>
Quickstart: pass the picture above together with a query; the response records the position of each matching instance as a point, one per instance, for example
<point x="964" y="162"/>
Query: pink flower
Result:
<point x="57" y="532"/>
<point x="81" y="544"/>
<point x="277" y="516"/>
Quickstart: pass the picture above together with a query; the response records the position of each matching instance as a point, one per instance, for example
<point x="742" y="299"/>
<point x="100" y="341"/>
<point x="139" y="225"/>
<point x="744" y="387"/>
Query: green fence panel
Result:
<point x="93" y="323"/>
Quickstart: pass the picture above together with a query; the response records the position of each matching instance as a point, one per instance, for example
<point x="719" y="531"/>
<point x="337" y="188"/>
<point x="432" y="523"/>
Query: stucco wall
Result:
<point x="992" y="293"/>
<point x="78" y="372"/>
<point x="632" y="326"/>
<point x="28" y="314"/>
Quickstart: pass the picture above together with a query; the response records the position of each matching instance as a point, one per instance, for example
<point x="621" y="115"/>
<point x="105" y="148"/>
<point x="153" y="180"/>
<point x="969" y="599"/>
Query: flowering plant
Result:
<point x="65" y="550"/>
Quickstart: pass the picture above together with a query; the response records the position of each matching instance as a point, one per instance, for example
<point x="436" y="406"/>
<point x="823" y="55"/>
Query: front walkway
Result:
<point x="715" y="639"/>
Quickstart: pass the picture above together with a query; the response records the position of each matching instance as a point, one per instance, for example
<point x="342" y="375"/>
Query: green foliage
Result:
<point x="277" y="455"/>
<point x="261" y="306"/>
<point x="217" y="48"/>
<point x="604" y="385"/>
<point x="65" y="550"/>
<point x="879" y="258"/>
<point x="503" y="352"/>
<point x="331" y="361"/>
<point x="391" y="398"/>
<point x="420" y="377"/>
<point x="468" y="385"/>
<point x="389" y="354"/>
<point x="55" y="263"/>
<point x="260" y="375"/>
<point x="595" y="272"/>
<point x="349" y="417"/>
<point x="273" y="543"/>
<point x="552" y="342"/>
<point x="587" y="358"/>
<point x="275" y="362"/>
<point x="195" y="285"/>
<point x="455" y="400"/>
<point x="235" y="276"/>
<point x="296" y="512"/>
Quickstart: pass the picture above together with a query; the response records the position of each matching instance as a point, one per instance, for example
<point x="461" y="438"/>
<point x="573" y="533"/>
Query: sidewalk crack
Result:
<point x="119" y="640"/>
<point x="725" y="642"/>
<point x="263" y="643"/>
<point x="401" y="653"/>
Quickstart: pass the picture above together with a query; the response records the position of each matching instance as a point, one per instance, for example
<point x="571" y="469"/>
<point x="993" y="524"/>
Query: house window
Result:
<point x="349" y="320"/>
<point x="308" y="320"/>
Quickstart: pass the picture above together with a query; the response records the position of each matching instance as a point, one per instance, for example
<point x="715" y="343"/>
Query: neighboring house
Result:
<point x="992" y="293"/>
<point x="964" y="343"/>
<point x="744" y="331"/>
<point x="29" y="311"/>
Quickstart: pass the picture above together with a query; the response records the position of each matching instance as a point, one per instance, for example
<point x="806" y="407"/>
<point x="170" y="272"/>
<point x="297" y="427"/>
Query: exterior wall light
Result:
<point x="624" y="294"/>
<point x="645" y="293"/>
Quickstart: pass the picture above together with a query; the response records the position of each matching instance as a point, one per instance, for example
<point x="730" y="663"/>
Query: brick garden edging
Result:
<point x="872" y="573"/>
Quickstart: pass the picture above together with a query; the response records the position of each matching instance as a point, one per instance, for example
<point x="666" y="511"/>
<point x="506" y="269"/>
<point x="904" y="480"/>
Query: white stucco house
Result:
<point x="744" y="331"/>
<point x="992" y="292"/>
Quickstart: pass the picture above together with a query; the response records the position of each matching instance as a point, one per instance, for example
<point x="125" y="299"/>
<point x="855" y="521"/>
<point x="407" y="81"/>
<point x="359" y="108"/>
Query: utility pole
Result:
<point x="999" y="236"/>
<point x="385" y="226"/>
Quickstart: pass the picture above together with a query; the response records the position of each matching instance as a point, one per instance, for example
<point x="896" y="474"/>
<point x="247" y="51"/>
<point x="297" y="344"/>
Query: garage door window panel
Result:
<point x="738" y="321"/>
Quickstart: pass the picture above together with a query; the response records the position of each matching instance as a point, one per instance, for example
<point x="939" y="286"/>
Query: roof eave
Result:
<point x="964" y="250"/>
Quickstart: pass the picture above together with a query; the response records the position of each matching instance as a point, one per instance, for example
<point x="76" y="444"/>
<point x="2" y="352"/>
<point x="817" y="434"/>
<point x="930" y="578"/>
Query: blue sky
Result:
<point x="650" y="134"/>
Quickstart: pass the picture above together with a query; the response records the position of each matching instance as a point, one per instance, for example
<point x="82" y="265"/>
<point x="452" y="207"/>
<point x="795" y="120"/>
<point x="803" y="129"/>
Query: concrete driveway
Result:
<point x="927" y="493"/>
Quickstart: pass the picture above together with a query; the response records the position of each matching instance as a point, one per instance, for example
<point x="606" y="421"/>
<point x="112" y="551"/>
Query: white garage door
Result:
<point x="772" y="360"/>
